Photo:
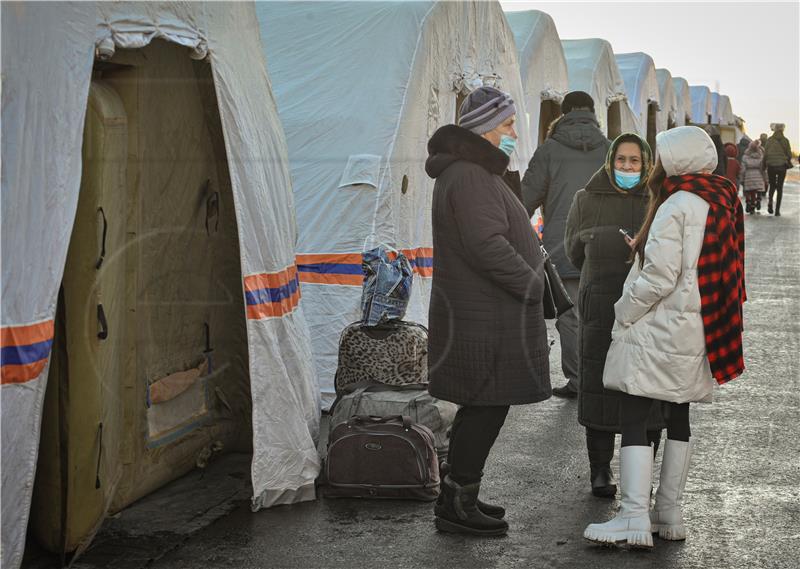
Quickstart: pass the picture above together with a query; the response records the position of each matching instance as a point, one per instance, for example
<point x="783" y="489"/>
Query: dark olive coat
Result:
<point x="487" y="336"/>
<point x="594" y="244"/>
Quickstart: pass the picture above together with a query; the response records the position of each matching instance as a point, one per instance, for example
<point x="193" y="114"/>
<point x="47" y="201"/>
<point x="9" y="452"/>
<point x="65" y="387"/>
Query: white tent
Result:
<point x="722" y="116"/>
<point x="683" y="96"/>
<point x="48" y="55"/>
<point x="641" y="85"/>
<point x="721" y="111"/>
<point x="592" y="68"/>
<point x="543" y="67"/>
<point x="358" y="136"/>
<point x="701" y="104"/>
<point x="668" y="109"/>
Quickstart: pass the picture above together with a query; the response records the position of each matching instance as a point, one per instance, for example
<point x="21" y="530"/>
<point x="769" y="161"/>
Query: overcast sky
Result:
<point x="750" y="50"/>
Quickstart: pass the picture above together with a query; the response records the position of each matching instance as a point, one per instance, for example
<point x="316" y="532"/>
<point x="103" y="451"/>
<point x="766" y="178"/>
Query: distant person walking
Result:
<point x="488" y="340"/>
<point x="677" y="330"/>
<point x="732" y="164"/>
<point x="753" y="176"/>
<point x="778" y="156"/>
<point x="603" y="217"/>
<point x="575" y="148"/>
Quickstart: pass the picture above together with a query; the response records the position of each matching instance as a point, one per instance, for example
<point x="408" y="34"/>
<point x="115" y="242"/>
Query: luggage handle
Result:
<point x="376" y="420"/>
<point x="384" y="387"/>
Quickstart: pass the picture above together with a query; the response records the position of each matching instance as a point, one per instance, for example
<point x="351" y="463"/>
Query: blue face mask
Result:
<point x="627" y="180"/>
<point x="507" y="144"/>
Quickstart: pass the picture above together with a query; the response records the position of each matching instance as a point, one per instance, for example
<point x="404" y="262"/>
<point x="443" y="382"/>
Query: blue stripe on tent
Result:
<point x="331" y="268"/>
<point x="423" y="262"/>
<point x="21" y="355"/>
<point x="265" y="295"/>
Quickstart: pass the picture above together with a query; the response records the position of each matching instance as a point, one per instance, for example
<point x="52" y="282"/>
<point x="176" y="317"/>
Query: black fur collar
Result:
<point x="451" y="143"/>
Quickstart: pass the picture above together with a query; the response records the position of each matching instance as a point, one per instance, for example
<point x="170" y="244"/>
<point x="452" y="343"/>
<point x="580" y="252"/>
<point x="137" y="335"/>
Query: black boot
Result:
<point x="769" y="206"/>
<point x="600" y="446"/>
<point x="459" y="511"/>
<point x="492" y="510"/>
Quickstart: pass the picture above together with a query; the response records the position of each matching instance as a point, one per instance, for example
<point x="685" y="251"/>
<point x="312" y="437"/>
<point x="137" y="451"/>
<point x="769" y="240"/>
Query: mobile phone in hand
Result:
<point x="625" y="233"/>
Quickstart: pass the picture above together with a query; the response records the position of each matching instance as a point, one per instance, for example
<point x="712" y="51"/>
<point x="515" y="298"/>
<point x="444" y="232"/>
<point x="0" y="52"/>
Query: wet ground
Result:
<point x="742" y="501"/>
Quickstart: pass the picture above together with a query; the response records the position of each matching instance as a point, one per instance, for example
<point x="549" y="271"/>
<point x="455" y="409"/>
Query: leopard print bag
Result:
<point x="394" y="354"/>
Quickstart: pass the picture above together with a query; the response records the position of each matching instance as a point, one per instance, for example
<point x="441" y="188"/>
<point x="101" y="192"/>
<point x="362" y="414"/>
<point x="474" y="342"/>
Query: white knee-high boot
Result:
<point x="631" y="526"/>
<point x="667" y="517"/>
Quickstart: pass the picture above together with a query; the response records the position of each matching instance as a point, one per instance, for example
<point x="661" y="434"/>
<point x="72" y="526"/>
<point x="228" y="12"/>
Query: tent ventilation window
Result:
<point x="361" y="169"/>
<point x="404" y="185"/>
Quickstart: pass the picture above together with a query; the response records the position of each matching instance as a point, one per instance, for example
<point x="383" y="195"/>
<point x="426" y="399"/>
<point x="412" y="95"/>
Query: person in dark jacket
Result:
<point x="603" y="217"/>
<point x="778" y="157"/>
<point x="487" y="337"/>
<point x="575" y="148"/>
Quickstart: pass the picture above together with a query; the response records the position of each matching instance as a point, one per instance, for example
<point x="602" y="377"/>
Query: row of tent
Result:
<point x="187" y="189"/>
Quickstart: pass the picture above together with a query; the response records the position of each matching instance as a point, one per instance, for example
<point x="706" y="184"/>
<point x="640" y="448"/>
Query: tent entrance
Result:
<point x="728" y="134"/>
<point x="652" y="128"/>
<point x="614" y="120"/>
<point x="149" y="375"/>
<point x="460" y="96"/>
<point x="549" y="111"/>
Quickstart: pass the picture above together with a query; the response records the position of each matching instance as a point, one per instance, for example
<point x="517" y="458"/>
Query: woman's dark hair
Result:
<point x="658" y="195"/>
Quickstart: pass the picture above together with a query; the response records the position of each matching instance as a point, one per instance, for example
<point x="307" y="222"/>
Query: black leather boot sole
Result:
<point x="449" y="526"/>
<point x="604" y="491"/>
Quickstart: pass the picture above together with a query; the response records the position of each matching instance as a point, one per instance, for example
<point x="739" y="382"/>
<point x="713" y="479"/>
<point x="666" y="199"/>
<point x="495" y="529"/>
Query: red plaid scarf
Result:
<point x="720" y="271"/>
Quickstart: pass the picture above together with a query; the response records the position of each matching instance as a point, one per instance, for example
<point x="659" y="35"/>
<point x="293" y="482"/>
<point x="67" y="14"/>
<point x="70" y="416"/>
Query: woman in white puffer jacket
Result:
<point x="678" y="328"/>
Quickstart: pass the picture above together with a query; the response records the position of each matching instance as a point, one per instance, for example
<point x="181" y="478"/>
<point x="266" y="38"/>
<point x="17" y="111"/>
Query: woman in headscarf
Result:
<point x="602" y="220"/>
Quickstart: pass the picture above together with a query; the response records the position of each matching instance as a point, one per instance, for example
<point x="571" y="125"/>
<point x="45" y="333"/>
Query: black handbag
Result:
<point x="555" y="299"/>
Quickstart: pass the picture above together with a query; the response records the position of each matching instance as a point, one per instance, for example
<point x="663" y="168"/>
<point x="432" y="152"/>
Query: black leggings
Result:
<point x="776" y="176"/>
<point x="472" y="436"/>
<point x="635" y="411"/>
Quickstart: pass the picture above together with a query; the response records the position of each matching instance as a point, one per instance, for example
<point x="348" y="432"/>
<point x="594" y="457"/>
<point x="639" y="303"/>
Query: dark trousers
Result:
<point x="567" y="326"/>
<point x="635" y="411"/>
<point x="600" y="445"/>
<point x="776" y="175"/>
<point x="472" y="436"/>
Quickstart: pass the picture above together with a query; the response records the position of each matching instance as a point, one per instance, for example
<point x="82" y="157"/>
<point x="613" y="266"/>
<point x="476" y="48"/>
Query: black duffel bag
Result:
<point x="381" y="457"/>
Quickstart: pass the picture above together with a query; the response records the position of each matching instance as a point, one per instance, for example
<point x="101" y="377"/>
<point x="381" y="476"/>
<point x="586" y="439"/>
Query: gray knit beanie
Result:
<point x="485" y="109"/>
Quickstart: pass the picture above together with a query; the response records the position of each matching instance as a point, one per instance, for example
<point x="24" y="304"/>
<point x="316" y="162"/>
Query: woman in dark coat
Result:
<point x="488" y="342"/>
<point x="614" y="200"/>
